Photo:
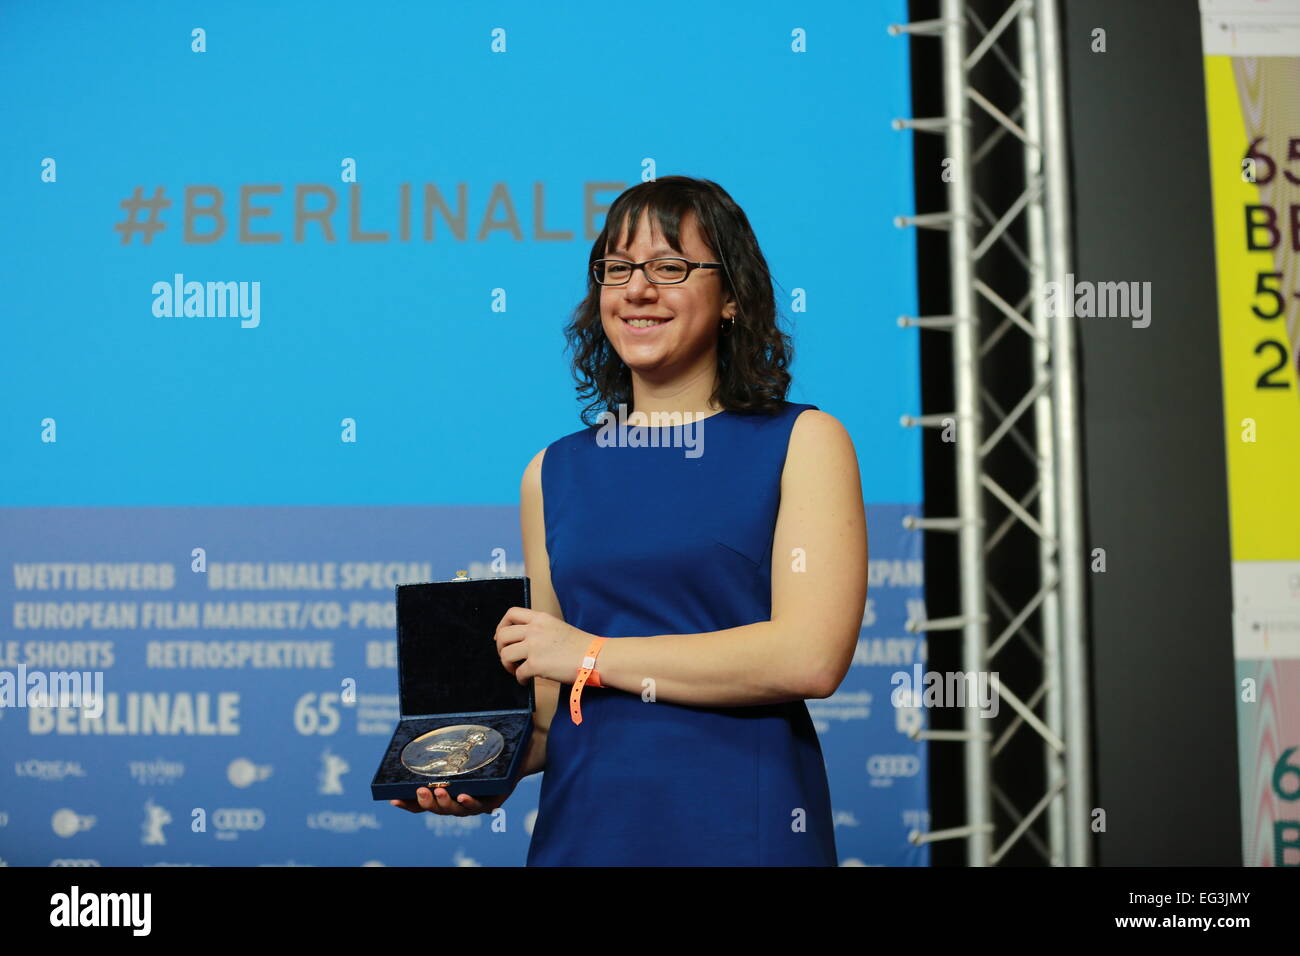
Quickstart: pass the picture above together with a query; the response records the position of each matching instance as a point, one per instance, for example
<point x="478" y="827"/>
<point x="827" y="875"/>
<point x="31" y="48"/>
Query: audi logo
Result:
<point x="893" y="765"/>
<point x="239" y="819"/>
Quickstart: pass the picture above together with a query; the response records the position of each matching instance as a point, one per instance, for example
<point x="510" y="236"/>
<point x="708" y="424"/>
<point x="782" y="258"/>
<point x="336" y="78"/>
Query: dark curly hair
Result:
<point x="753" y="354"/>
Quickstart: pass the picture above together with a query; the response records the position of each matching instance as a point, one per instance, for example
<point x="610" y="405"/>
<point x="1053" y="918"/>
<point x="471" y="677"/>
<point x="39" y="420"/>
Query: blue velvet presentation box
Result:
<point x="448" y="672"/>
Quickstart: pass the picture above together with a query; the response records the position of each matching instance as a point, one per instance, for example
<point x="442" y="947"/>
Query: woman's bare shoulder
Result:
<point x="814" y="427"/>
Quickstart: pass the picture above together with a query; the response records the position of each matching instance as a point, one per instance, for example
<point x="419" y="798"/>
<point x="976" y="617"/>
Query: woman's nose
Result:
<point x="638" y="285"/>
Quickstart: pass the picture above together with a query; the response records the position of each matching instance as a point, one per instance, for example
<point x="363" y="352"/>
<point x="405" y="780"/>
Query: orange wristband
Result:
<point x="585" y="673"/>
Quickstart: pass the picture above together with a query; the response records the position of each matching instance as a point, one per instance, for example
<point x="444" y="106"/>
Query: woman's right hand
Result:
<point x="440" y="802"/>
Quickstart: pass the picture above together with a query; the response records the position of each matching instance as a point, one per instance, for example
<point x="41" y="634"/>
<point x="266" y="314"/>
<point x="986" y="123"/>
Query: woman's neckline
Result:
<point x="693" y="421"/>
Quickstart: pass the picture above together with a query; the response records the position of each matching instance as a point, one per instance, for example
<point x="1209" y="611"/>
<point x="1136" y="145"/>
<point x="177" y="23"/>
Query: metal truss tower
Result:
<point x="1019" y="521"/>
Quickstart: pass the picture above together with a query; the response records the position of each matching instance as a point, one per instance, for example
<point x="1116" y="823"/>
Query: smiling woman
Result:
<point x="684" y="607"/>
<point x="676" y="307"/>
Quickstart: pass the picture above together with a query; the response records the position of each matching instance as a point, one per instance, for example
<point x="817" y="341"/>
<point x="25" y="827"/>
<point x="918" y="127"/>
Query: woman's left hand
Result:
<point x="536" y="644"/>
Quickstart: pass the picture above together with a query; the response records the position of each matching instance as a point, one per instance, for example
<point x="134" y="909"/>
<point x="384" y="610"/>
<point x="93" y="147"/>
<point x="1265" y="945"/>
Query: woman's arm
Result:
<point x="547" y="693"/>
<point x="819" y="590"/>
<point x="537" y="566"/>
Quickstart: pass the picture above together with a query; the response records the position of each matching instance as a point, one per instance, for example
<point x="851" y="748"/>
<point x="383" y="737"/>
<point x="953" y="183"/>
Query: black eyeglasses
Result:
<point x="665" y="271"/>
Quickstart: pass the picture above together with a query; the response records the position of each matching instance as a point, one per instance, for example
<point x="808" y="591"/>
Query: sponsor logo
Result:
<point x="150" y="773"/>
<point x="48" y="769"/>
<point x="883" y="768"/>
<point x="335" y="822"/>
<point x="231" y="821"/>
<point x="242" y="772"/>
<point x="67" y="823"/>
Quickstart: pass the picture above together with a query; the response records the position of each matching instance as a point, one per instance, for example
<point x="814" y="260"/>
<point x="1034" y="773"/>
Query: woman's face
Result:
<point x="692" y="309"/>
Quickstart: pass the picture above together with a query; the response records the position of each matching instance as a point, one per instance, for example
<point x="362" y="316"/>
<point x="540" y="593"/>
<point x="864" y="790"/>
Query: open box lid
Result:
<point x="447" y="661"/>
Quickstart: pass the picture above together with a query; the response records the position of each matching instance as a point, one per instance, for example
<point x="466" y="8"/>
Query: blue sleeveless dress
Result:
<point x="674" y="538"/>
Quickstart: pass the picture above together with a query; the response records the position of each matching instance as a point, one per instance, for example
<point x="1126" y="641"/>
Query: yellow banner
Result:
<point x="1260" y="399"/>
<point x="1253" y="106"/>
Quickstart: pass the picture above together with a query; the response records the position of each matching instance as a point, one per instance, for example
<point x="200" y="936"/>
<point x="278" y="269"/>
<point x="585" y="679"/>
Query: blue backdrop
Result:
<point x="366" y="390"/>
